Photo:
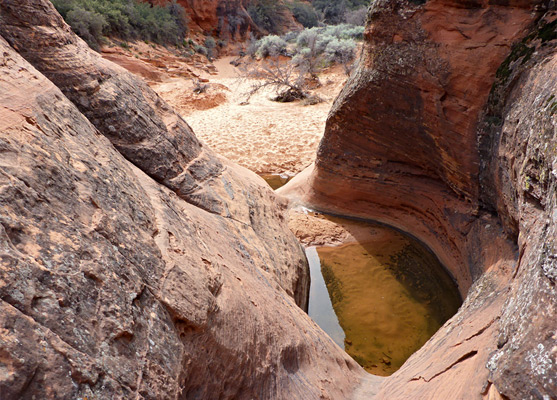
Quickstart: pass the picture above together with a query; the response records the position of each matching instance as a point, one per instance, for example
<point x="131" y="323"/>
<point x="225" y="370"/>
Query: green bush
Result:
<point x="210" y="45"/>
<point x="334" y="44"/>
<point x="291" y="37"/>
<point x="344" y="31"/>
<point x="341" y="51"/>
<point x="321" y="36"/>
<point x="267" y="14"/>
<point x="307" y="37"/>
<point x="304" y="13"/>
<point x="322" y="42"/>
<point x="201" y="50"/>
<point x="87" y="24"/>
<point x="125" y="19"/>
<point x="336" y="11"/>
<point x="271" y="45"/>
<point x="355" y="32"/>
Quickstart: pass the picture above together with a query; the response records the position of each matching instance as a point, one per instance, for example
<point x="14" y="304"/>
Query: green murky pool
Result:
<point x="384" y="298"/>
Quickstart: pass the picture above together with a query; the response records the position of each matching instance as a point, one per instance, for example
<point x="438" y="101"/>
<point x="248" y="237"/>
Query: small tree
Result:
<point x="309" y="59"/>
<point x="88" y="25"/>
<point x="284" y="78"/>
<point x="267" y="14"/>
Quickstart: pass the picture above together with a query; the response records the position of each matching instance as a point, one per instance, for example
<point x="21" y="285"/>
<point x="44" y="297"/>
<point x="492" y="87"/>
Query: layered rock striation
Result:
<point x="134" y="262"/>
<point x="447" y="131"/>
<point x="141" y="125"/>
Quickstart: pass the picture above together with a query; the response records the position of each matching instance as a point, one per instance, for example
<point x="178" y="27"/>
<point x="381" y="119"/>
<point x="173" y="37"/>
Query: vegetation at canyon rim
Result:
<point x="93" y="20"/>
<point x="270" y="14"/>
<point x="126" y="19"/>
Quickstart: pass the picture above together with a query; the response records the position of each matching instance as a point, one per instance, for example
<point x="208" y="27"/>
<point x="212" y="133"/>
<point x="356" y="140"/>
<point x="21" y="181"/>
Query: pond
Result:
<point x="380" y="299"/>
<point x="276" y="181"/>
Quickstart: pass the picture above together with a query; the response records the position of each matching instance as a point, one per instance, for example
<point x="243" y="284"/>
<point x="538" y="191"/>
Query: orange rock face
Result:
<point x="409" y="141"/>
<point x="135" y="262"/>
<point x="225" y="19"/>
<point x="405" y="144"/>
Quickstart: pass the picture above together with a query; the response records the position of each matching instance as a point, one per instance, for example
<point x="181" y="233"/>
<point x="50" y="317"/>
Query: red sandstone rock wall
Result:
<point x="402" y="133"/>
<point x="519" y="131"/>
<point x="226" y="19"/>
<point x="134" y="262"/>
<point x="406" y="144"/>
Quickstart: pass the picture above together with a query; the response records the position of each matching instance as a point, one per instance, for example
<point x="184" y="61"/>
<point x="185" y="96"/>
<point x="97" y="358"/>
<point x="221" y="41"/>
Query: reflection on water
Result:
<point x="390" y="295"/>
<point x="276" y="180"/>
<point x="320" y="307"/>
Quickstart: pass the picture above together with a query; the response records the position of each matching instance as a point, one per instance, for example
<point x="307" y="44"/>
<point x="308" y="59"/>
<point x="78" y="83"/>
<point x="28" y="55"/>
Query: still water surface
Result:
<point x="380" y="299"/>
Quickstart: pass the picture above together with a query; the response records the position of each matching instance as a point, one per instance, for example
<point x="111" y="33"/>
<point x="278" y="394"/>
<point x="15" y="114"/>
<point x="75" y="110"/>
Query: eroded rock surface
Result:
<point x="135" y="263"/>
<point x="141" y="125"/>
<point x="414" y="142"/>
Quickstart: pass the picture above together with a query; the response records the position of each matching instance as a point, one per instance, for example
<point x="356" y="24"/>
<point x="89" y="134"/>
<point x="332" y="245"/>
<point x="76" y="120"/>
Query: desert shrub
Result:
<point x="267" y="14"/>
<point x="304" y="13"/>
<point x="288" y="82"/>
<point x="125" y="19"/>
<point x="291" y="37"/>
<point x="310" y="48"/>
<point x="180" y="17"/>
<point x="153" y="23"/>
<point x="252" y="46"/>
<point x="200" y="87"/>
<point x="210" y="42"/>
<point x="307" y="37"/>
<point x="356" y="17"/>
<point x="344" y="31"/>
<point x="336" y="11"/>
<point x="210" y="45"/>
<point x="201" y="50"/>
<point x="320" y="37"/>
<point x="343" y="52"/>
<point x="354" y="32"/>
<point x="333" y="10"/>
<point x="322" y="42"/>
<point x="271" y="45"/>
<point x="335" y="30"/>
<point x="88" y="25"/>
<point x="314" y="49"/>
<point x="234" y="21"/>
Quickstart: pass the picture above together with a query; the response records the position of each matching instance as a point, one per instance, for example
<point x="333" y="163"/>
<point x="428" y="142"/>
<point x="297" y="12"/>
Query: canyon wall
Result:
<point x="228" y="19"/>
<point x="135" y="262"/>
<point x="447" y="130"/>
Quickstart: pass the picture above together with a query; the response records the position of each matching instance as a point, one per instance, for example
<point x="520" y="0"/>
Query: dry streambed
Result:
<point x="264" y="136"/>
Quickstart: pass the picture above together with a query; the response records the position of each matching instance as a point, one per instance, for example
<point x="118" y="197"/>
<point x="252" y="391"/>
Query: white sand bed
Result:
<point x="264" y="136"/>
